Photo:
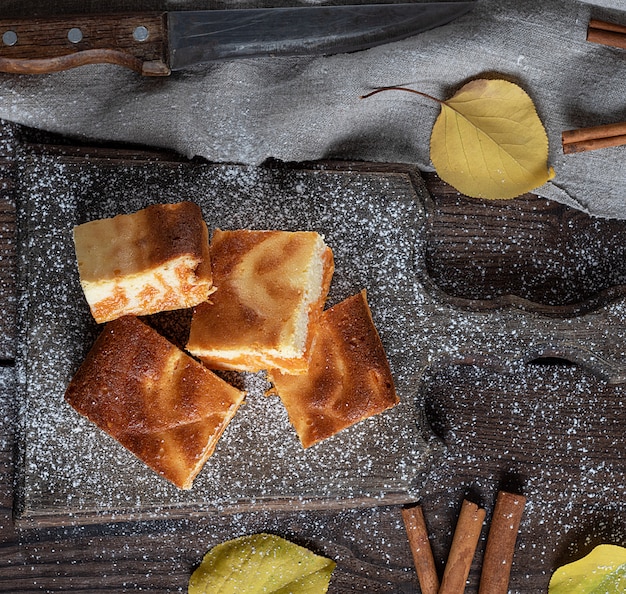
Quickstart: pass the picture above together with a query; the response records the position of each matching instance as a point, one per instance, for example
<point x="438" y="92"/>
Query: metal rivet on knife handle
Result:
<point x="9" y="38"/>
<point x="141" y="33"/>
<point x="75" y="35"/>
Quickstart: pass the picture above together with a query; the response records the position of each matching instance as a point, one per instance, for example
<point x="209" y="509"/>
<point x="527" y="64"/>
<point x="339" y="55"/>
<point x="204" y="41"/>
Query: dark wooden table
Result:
<point x="547" y="428"/>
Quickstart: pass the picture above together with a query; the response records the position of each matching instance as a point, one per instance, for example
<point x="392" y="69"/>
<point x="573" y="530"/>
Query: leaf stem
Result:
<point x="376" y="91"/>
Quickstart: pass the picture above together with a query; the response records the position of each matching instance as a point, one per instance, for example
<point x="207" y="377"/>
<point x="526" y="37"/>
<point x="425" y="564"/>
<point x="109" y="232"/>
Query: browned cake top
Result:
<point x="348" y="380"/>
<point x="153" y="398"/>
<point x="269" y="284"/>
<point x="131" y="243"/>
<point x="253" y="270"/>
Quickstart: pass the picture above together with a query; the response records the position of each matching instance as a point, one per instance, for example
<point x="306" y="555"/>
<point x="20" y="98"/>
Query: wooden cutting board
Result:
<point x="70" y="471"/>
<point x="388" y="237"/>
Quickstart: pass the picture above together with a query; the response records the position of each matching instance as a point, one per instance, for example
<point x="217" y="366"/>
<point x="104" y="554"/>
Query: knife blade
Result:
<point x="157" y="43"/>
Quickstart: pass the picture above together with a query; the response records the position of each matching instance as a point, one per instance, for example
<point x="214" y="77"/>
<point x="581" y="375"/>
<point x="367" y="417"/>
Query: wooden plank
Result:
<point x="552" y="432"/>
<point x="8" y="143"/>
<point x="542" y="251"/>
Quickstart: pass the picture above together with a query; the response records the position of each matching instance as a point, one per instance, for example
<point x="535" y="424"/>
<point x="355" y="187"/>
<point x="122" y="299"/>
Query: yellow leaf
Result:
<point x="261" y="563"/>
<point x="488" y="141"/>
<point x="603" y="571"/>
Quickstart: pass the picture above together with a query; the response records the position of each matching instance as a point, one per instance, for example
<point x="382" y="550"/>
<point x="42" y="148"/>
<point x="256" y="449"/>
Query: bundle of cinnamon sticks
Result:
<point x="597" y="137"/>
<point x="499" y="551"/>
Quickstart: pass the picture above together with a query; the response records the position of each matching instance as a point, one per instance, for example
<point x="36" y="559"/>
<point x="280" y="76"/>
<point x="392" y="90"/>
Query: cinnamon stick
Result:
<point x="464" y="542"/>
<point x="595" y="137"/>
<point x="500" y="548"/>
<point x="420" y="548"/>
<point x="605" y="33"/>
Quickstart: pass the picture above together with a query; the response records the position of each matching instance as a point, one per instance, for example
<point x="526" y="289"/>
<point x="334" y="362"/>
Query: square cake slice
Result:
<point x="157" y="401"/>
<point x="270" y="287"/>
<point x="348" y="380"/>
<point x="156" y="259"/>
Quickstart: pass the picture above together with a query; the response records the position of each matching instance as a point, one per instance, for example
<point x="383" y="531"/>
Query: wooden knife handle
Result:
<point x="38" y="46"/>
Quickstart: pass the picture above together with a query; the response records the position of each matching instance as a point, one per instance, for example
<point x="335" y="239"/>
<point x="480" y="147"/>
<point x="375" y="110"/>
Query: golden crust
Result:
<point x="271" y="286"/>
<point x="158" y="402"/>
<point x="348" y="380"/>
<point x="153" y="260"/>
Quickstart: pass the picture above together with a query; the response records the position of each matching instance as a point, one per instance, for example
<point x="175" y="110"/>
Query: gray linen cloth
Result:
<point x="309" y="108"/>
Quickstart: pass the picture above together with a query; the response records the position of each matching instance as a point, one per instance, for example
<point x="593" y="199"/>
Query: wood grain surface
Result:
<point x="259" y="462"/>
<point x="44" y="45"/>
<point x="550" y="430"/>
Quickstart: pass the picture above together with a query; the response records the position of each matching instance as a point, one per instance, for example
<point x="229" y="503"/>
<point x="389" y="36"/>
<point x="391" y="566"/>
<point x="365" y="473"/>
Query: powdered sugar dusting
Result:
<point x="573" y="477"/>
<point x="68" y="464"/>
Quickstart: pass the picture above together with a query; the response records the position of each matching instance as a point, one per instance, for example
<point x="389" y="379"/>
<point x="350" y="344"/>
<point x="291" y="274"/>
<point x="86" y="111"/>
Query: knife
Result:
<point x="157" y="43"/>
